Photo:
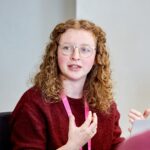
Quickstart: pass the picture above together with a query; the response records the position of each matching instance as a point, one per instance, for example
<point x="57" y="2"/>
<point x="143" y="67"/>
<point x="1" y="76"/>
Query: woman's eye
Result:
<point x="66" y="47"/>
<point x="85" y="49"/>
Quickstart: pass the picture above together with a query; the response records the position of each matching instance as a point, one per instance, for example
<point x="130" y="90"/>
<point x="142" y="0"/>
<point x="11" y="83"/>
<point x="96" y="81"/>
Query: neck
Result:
<point x="73" y="89"/>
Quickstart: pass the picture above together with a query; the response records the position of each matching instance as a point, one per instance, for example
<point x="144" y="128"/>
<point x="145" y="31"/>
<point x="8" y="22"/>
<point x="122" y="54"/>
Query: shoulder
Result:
<point x="33" y="91"/>
<point x="114" y="110"/>
<point x="30" y="98"/>
<point x="111" y="114"/>
<point x="113" y="106"/>
<point x="31" y="95"/>
<point x="31" y="106"/>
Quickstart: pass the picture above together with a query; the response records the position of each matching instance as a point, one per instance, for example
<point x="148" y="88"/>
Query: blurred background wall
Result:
<point x="25" y="26"/>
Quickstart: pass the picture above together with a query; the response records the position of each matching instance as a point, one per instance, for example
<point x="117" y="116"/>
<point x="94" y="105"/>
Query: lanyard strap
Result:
<point x="69" y="112"/>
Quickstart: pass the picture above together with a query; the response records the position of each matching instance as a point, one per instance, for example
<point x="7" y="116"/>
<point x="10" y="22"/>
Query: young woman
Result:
<point x="70" y="106"/>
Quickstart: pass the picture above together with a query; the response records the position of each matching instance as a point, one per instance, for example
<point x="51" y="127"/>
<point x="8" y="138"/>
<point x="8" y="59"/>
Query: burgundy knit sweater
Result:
<point x="39" y="125"/>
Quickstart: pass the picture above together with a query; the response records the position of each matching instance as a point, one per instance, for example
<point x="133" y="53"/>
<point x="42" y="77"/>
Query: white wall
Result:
<point x="24" y="31"/>
<point x="127" y="24"/>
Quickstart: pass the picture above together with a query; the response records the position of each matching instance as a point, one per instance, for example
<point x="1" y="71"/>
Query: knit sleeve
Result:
<point x="27" y="125"/>
<point x="117" y="139"/>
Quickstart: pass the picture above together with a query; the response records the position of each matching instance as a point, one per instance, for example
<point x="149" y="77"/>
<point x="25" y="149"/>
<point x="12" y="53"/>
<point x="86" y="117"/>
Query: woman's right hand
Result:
<point x="79" y="136"/>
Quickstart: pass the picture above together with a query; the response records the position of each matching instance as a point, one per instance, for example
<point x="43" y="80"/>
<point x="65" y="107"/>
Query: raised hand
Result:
<point x="79" y="136"/>
<point x="136" y="115"/>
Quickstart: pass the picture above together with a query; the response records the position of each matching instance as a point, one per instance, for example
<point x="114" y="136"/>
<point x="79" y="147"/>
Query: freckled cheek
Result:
<point x="89" y="63"/>
<point x="61" y="61"/>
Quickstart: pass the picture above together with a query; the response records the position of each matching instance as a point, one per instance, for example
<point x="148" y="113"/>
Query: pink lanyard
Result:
<point x="69" y="112"/>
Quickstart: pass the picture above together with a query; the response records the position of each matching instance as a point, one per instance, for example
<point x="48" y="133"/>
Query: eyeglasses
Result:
<point x="84" y="50"/>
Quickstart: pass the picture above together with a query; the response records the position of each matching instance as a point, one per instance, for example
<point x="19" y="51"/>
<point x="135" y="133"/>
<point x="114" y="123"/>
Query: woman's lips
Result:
<point x="74" y="67"/>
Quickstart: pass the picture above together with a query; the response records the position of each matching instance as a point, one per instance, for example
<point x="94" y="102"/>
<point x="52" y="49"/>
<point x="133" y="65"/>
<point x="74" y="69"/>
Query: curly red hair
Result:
<point x="98" y="85"/>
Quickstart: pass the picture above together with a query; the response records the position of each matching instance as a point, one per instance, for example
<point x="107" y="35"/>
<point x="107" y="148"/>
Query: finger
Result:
<point x="134" y="117"/>
<point x="94" y="119"/>
<point x="135" y="112"/>
<point x="88" y="120"/>
<point x="131" y="116"/>
<point x="131" y="120"/>
<point x="129" y="129"/>
<point x="93" y="126"/>
<point x="71" y="121"/>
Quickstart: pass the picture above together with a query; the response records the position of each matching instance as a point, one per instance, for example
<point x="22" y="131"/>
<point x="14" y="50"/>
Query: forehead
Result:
<point x="78" y="36"/>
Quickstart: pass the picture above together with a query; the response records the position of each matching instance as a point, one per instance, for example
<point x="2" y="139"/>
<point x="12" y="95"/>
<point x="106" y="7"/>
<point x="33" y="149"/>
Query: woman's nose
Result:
<point x="76" y="54"/>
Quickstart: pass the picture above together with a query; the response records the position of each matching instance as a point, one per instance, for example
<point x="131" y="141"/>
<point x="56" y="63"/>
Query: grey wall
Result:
<point x="24" y="31"/>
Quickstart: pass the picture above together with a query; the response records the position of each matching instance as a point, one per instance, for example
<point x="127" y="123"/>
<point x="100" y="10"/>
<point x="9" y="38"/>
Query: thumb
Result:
<point x="146" y="113"/>
<point x="71" y="121"/>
